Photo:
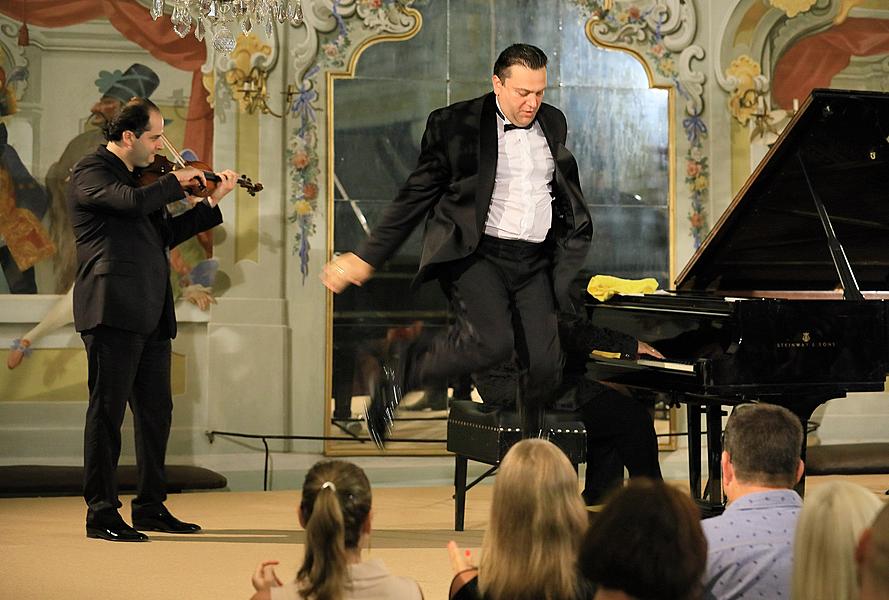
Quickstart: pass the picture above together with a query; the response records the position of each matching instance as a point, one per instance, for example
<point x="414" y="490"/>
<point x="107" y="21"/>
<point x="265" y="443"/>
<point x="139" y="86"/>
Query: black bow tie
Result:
<point x="509" y="126"/>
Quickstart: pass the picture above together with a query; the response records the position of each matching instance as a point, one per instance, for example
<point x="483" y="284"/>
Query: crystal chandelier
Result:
<point x="223" y="18"/>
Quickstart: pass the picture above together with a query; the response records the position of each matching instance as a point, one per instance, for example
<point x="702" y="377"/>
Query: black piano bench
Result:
<point x="848" y="459"/>
<point x="21" y="481"/>
<point x="485" y="434"/>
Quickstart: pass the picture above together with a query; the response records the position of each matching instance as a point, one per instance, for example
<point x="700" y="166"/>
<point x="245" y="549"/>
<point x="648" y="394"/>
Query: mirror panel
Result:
<point x="619" y="132"/>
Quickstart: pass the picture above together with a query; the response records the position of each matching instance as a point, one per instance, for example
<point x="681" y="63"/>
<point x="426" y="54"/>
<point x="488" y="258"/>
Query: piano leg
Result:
<point x="803" y="407"/>
<point x="713" y="492"/>
<point x="693" y="412"/>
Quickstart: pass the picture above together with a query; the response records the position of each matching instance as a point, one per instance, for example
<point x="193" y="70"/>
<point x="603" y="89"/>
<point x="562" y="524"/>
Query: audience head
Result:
<point x="761" y="449"/>
<point x="833" y="517"/>
<point x="335" y="511"/>
<point x="647" y="543"/>
<point x="536" y="524"/>
<point x="872" y="556"/>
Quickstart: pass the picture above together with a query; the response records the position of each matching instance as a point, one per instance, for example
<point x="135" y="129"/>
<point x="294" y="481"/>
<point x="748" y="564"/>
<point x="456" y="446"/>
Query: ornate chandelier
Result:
<point x="223" y="18"/>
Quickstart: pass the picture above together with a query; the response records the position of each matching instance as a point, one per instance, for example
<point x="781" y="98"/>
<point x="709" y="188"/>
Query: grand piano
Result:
<point x="784" y="302"/>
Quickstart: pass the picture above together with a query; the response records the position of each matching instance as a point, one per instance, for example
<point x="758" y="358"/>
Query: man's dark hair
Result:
<point x="526" y="55"/>
<point x="764" y="441"/>
<point x="134" y="116"/>
<point x="647" y="542"/>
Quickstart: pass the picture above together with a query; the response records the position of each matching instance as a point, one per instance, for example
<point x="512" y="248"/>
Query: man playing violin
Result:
<point x="123" y="309"/>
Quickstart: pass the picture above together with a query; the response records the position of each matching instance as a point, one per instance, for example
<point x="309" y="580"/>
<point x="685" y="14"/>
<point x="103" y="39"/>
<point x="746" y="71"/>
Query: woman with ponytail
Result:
<point x="335" y="511"/>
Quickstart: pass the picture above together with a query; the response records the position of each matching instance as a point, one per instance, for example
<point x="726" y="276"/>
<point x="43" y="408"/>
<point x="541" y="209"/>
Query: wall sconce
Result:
<point x="253" y="88"/>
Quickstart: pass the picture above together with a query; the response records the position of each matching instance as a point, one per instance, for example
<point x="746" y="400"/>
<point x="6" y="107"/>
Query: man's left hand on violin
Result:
<point x="228" y="179"/>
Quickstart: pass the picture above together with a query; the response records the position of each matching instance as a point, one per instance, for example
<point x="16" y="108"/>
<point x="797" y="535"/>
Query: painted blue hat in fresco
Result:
<point x="137" y="80"/>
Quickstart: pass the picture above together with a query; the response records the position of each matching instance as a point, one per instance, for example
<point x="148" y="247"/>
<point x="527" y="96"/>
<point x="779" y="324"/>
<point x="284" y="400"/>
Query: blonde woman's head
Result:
<point x="832" y="519"/>
<point x="537" y="521"/>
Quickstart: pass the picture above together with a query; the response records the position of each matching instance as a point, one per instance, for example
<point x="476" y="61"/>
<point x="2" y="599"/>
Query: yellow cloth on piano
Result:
<point x="603" y="287"/>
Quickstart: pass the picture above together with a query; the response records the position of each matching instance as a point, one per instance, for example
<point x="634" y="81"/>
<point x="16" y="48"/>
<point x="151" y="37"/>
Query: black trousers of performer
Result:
<point x="620" y="433"/>
<point x="505" y="302"/>
<point x="126" y="368"/>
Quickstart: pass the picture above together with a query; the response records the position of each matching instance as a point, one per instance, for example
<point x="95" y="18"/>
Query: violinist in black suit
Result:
<point x="506" y="229"/>
<point x="123" y="309"/>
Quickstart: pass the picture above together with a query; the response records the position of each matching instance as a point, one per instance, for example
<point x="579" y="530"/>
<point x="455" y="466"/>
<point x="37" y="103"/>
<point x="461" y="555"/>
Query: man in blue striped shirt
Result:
<point x="750" y="546"/>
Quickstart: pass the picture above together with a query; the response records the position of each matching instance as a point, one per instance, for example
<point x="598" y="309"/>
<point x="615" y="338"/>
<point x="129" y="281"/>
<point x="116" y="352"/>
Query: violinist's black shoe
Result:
<point x="160" y="519"/>
<point x="108" y="525"/>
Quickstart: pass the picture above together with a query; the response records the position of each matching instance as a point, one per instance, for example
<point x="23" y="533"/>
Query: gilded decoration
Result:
<point x="845" y="7"/>
<point x="249" y="52"/>
<point x="743" y="101"/>
<point x="333" y="35"/>
<point x="660" y="33"/>
<point x="793" y="7"/>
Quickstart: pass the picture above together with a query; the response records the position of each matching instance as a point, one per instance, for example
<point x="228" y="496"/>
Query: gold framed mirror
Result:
<point x="620" y="131"/>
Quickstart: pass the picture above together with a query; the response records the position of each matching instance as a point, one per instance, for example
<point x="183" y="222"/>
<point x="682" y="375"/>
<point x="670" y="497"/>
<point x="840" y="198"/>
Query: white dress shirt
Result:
<point x="521" y="205"/>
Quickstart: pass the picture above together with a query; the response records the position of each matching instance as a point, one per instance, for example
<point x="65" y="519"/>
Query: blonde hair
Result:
<point x="335" y="504"/>
<point x="830" y="524"/>
<point x="537" y="522"/>
<point x="874" y="569"/>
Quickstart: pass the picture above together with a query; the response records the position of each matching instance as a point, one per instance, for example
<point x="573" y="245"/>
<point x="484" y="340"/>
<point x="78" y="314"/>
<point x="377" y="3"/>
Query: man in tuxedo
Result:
<point x="506" y="229"/>
<point x="123" y="309"/>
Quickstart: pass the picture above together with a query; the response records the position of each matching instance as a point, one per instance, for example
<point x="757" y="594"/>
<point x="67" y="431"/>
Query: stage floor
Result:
<point x="45" y="553"/>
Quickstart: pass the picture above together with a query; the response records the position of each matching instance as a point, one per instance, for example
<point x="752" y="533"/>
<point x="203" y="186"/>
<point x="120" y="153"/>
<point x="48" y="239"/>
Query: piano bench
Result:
<point x="485" y="433"/>
<point x="22" y="481"/>
<point x="848" y="459"/>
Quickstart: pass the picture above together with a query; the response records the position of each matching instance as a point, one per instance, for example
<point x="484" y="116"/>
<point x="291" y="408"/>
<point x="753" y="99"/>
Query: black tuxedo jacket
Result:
<point x="122" y="233"/>
<point x="451" y="189"/>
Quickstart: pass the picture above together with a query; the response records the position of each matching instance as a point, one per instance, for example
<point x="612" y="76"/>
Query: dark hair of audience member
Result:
<point x="335" y="505"/>
<point x="648" y="543"/>
<point x="537" y="522"/>
<point x="134" y="116"/>
<point x="764" y="444"/>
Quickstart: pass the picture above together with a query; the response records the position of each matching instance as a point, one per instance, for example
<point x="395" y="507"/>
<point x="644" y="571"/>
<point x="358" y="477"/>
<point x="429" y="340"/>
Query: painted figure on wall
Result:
<point x="193" y="269"/>
<point x="23" y="202"/>
<point x="115" y="88"/>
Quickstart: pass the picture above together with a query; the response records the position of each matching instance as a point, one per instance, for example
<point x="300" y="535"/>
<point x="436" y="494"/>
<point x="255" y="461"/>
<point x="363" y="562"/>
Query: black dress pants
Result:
<point x="505" y="307"/>
<point x="126" y="368"/>
<point x="620" y="433"/>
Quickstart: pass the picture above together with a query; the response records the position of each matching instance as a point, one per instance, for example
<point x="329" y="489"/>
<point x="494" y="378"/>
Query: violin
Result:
<point x="162" y="165"/>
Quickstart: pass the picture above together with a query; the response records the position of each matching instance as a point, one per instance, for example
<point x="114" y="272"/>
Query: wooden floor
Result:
<point x="45" y="554"/>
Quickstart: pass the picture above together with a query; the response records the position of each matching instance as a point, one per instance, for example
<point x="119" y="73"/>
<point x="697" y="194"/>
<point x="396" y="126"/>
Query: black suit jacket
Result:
<point x="451" y="189"/>
<point x="122" y="233"/>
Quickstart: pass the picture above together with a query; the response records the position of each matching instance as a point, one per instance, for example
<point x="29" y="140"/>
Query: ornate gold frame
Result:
<point x="367" y="449"/>
<point x="672" y="443"/>
<point x="349" y="73"/>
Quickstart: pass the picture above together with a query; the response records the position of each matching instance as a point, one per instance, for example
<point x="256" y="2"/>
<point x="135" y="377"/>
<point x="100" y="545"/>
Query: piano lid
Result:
<point x="771" y="237"/>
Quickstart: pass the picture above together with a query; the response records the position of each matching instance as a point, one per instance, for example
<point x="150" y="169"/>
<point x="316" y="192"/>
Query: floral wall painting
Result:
<point x="772" y="55"/>
<point x="336" y="33"/>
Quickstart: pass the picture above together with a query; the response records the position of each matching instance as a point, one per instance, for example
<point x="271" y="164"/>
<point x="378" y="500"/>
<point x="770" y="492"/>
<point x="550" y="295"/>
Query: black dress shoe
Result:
<point x="162" y="520"/>
<point x="120" y="532"/>
<point x="379" y="411"/>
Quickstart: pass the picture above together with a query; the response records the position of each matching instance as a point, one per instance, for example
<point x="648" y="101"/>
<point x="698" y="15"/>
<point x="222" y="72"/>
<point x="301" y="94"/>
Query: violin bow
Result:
<point x="177" y="158"/>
